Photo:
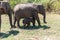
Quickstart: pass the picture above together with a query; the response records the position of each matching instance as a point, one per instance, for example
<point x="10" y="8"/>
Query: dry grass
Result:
<point x="49" y="31"/>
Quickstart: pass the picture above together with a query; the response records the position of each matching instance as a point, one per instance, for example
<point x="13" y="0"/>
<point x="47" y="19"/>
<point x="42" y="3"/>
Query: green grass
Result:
<point x="49" y="31"/>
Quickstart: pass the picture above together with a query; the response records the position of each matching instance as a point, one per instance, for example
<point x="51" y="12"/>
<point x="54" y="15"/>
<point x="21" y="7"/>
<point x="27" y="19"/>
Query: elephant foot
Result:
<point x="13" y="26"/>
<point x="33" y="25"/>
<point x="45" y="22"/>
<point x="19" y="27"/>
<point x="40" y="25"/>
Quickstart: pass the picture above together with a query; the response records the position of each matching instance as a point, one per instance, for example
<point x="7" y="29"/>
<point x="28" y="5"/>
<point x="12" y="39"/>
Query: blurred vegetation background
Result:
<point x="50" y="5"/>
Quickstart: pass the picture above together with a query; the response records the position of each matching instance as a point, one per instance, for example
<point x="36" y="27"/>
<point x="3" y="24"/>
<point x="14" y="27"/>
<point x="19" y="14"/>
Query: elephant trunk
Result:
<point x="42" y="11"/>
<point x="44" y="17"/>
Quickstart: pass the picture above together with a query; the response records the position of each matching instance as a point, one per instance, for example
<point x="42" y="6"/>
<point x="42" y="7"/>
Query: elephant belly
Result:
<point x="23" y="14"/>
<point x="26" y="14"/>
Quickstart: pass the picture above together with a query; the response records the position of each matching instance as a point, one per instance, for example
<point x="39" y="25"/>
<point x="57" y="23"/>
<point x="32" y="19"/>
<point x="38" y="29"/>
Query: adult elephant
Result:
<point x="5" y="9"/>
<point x="28" y="10"/>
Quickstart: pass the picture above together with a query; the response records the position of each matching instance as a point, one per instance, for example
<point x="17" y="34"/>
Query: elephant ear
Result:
<point x="40" y="8"/>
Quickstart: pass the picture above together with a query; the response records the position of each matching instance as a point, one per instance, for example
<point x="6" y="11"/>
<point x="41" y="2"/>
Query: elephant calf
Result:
<point x="27" y="21"/>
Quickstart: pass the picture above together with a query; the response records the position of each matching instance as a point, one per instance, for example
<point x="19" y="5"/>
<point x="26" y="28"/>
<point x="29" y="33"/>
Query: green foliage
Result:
<point x="30" y="1"/>
<point x="55" y="3"/>
<point x="14" y="2"/>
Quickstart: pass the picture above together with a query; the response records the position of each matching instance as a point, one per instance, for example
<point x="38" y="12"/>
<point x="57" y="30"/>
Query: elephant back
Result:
<point x="23" y="6"/>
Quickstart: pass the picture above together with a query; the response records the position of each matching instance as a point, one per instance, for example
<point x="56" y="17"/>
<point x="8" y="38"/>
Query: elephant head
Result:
<point x="41" y="10"/>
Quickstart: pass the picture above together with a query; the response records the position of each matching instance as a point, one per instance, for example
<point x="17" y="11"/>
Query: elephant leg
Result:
<point x="24" y="24"/>
<point x="33" y="21"/>
<point x="44" y="19"/>
<point x="15" y="22"/>
<point x="44" y="15"/>
<point x="0" y="22"/>
<point x="18" y="23"/>
<point x="10" y="19"/>
<point x="37" y="18"/>
<point x="28" y="24"/>
<point x="38" y="22"/>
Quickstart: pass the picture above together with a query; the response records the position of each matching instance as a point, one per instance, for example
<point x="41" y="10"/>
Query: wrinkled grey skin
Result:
<point x="27" y="21"/>
<point x="28" y="10"/>
<point x="5" y="9"/>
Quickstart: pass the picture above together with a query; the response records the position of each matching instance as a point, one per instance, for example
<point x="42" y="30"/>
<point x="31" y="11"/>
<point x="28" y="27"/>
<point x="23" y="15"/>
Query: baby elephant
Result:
<point x="27" y="21"/>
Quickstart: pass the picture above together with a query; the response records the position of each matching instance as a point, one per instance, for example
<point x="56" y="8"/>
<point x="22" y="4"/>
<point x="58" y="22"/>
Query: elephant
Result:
<point x="28" y="10"/>
<point x="27" y="21"/>
<point x="5" y="9"/>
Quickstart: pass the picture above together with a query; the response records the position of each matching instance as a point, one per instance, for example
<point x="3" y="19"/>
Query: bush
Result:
<point x="55" y="5"/>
